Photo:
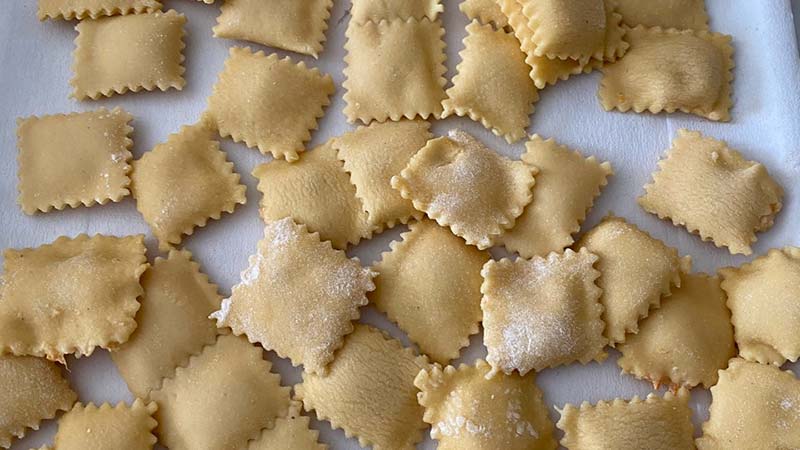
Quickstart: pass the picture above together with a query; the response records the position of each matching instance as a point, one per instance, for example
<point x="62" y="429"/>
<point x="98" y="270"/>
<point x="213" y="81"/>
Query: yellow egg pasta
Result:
<point x="92" y="9"/>
<point x="681" y="14"/>
<point x="290" y="433"/>
<point x="374" y="11"/>
<point x="122" y="427"/>
<point x="484" y="11"/>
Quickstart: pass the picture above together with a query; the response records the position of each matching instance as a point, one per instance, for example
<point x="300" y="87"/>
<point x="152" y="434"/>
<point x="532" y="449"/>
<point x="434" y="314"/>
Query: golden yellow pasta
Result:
<point x="290" y="433"/>
<point x="92" y="9"/>
<point x="485" y="11"/>
<point x="681" y="14"/>
<point x="121" y="427"/>
<point x="374" y="11"/>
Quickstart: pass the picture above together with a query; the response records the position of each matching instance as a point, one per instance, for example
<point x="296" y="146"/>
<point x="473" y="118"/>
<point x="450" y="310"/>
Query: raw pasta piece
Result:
<point x="32" y="390"/>
<point x="93" y="168"/>
<point x="372" y="155"/>
<point x="316" y="192"/>
<point x="267" y="102"/>
<point x="566" y="186"/>
<point x="70" y="296"/>
<point x="754" y="406"/>
<point x="83" y="9"/>
<point x="290" y="433"/>
<point x="655" y="423"/>
<point x="369" y="391"/>
<point x="764" y="297"/>
<point x="221" y="400"/>
<point x="485" y="11"/>
<point x="685" y="341"/>
<point x="542" y="312"/>
<point x="128" y="53"/>
<point x="182" y="183"/>
<point x="681" y="14"/>
<point x="492" y="85"/>
<point x="121" y="427"/>
<point x="710" y="189"/>
<point x="301" y="311"/>
<point x="364" y="11"/>
<point x="173" y="322"/>
<point x="637" y="271"/>
<point x="671" y="70"/>
<point x="467" y="411"/>
<point x="297" y="26"/>
<point x="438" y="309"/>
<point x="461" y="183"/>
<point x="394" y="69"/>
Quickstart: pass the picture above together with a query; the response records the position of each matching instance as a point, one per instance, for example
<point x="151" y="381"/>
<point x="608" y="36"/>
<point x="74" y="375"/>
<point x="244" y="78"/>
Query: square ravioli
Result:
<point x="316" y="192"/>
<point x="290" y="433"/>
<point x="92" y="9"/>
<point x="93" y="168"/>
<point x="201" y="408"/>
<point x="671" y="70"/>
<point x="394" y="69"/>
<point x="681" y="14"/>
<point x="753" y="407"/>
<point x="685" y="341"/>
<point x="372" y="156"/>
<point x="637" y="271"/>
<point x="438" y="309"/>
<point x="70" y="296"/>
<point x="763" y="296"/>
<point x="369" y="391"/>
<point x="461" y="183"/>
<point x="297" y="26"/>
<point x="128" y="53"/>
<point x="33" y="390"/>
<point x="654" y="423"/>
<point x="267" y="102"/>
<point x="713" y="191"/>
<point x="492" y="85"/>
<point x="484" y="11"/>
<point x="566" y="186"/>
<point x="184" y="182"/>
<point x="121" y="427"/>
<point x="175" y="292"/>
<point x="468" y="411"/>
<point x="300" y="311"/>
<point x="375" y="11"/>
<point x="542" y="312"/>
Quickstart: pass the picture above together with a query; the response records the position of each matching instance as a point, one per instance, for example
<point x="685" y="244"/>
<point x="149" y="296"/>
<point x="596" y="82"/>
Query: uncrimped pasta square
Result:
<point x="267" y="102"/>
<point x="671" y="70"/>
<point x="681" y="14"/>
<point x="713" y="191"/>
<point x="184" y="182"/>
<point x="83" y="9"/>
<point x="128" y="53"/>
<point x="121" y="427"/>
<point x="70" y="296"/>
<point x="374" y="11"/>
<point x="485" y="11"/>
<point x="298" y="26"/>
<point x="73" y="159"/>
<point x="394" y="69"/>
<point x="492" y="85"/>
<point x="290" y="433"/>
<point x="301" y="311"/>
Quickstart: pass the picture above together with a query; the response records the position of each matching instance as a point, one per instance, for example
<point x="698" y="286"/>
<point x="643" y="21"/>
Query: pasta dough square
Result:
<point x="363" y="11"/>
<point x="754" y="406"/>
<point x="394" y="69"/>
<point x="290" y="433"/>
<point x="461" y="183"/>
<point x="566" y="186"/>
<point x="269" y="103"/>
<point x="467" y="411"/>
<point x="70" y="296"/>
<point x="763" y="297"/>
<point x="128" y="53"/>
<point x="372" y="155"/>
<point x="685" y="341"/>
<point x="92" y="169"/>
<point x="637" y="271"/>
<point x="369" y="391"/>
<point x="121" y="427"/>
<point x="492" y="85"/>
<point x="316" y="192"/>
<point x="655" y="423"/>
<point x="681" y="14"/>
<point x="201" y="409"/>
<point x="92" y="9"/>
<point x="301" y="311"/>
<point x="173" y="323"/>
<point x="438" y="309"/>
<point x="713" y="191"/>
<point x="542" y="312"/>
<point x="182" y="183"/>
<point x="33" y="390"/>
<point x="671" y="70"/>
<point x="297" y="26"/>
<point x="485" y="11"/>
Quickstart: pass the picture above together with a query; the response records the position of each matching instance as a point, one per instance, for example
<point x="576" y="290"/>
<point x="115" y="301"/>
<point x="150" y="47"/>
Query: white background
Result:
<point x="35" y="60"/>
